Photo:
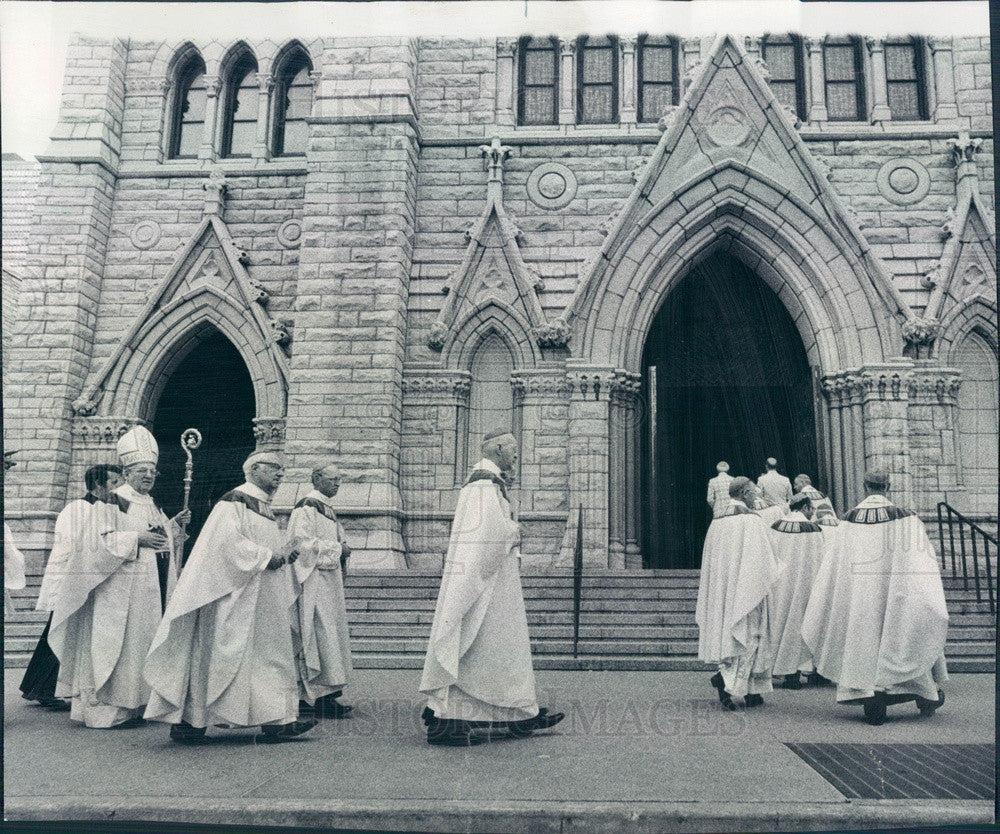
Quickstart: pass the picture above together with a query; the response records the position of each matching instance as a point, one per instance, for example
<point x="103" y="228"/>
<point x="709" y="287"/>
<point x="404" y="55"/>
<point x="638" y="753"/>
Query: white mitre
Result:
<point x="138" y="445"/>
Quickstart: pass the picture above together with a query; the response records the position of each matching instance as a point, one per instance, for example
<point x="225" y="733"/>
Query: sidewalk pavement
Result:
<point x="638" y="752"/>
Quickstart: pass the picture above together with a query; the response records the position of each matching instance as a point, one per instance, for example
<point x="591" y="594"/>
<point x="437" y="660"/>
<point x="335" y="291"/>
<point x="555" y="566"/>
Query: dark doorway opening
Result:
<point x="727" y="378"/>
<point x="210" y="390"/>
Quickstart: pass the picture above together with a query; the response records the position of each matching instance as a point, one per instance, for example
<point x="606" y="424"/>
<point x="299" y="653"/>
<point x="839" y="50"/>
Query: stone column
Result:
<point x="506" y="55"/>
<point x="885" y="401"/>
<point x="261" y="149"/>
<point x="879" y="105"/>
<point x="213" y="119"/>
<point x="51" y="343"/>
<point x="963" y="154"/>
<point x="567" y="81"/>
<point x="942" y="61"/>
<point x="931" y="418"/>
<point x="345" y="386"/>
<point x="589" y="417"/>
<point x="628" y="112"/>
<point x="853" y="421"/>
<point x="817" y="88"/>
<point x="833" y="388"/>
<point x="633" y="485"/>
<point x="617" y="473"/>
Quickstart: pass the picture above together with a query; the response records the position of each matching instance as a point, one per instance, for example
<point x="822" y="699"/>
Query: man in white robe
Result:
<point x="104" y="614"/>
<point x="775" y="487"/>
<point x="13" y="559"/>
<point x="798" y="545"/>
<point x="223" y="653"/>
<point x="718" y="489"/>
<point x="322" y="641"/>
<point x="738" y="570"/>
<point x="138" y="453"/>
<point x="877" y="619"/>
<point x="42" y="673"/>
<point x="478" y="671"/>
<point x="821" y="504"/>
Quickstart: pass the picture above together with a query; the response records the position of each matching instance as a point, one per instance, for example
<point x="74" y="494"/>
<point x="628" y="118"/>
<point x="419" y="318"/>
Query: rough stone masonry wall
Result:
<point x="62" y="286"/>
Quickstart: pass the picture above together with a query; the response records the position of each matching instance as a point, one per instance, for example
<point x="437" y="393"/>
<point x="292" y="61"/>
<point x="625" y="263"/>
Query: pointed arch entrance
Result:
<point x="209" y="388"/>
<point x="726" y="378"/>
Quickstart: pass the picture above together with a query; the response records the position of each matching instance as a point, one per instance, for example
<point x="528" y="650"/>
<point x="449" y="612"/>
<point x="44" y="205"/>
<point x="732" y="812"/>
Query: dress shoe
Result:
<point x="449" y="732"/>
<point x="542" y="721"/>
<point x="271" y="734"/>
<point x="928" y="707"/>
<point x="56" y="705"/>
<point x="184" y="733"/>
<point x="753" y="701"/>
<point x="131" y="724"/>
<point x="791" y="682"/>
<point x="720" y="686"/>
<point x="327" y="707"/>
<point x="816" y="679"/>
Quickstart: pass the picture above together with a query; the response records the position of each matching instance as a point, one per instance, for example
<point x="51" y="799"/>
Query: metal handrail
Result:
<point x="577" y="580"/>
<point x="948" y="515"/>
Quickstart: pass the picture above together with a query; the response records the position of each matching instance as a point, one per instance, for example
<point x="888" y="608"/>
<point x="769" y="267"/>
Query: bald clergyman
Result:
<point x="478" y="673"/>
<point x="223" y="654"/>
<point x="775" y="487"/>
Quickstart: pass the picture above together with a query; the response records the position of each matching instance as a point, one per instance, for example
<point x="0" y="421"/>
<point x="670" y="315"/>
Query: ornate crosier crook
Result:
<point x="190" y="440"/>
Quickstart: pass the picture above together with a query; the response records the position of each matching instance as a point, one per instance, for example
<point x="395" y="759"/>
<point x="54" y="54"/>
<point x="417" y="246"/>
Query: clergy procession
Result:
<point x="251" y="631"/>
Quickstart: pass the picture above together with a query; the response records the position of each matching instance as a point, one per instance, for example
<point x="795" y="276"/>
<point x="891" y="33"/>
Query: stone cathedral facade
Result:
<point x="644" y="254"/>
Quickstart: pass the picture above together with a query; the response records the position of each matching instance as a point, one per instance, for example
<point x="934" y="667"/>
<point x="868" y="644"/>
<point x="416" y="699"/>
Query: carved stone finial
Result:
<point x="84" y="406"/>
<point x="554" y="334"/>
<point x="215" y="196"/>
<point x="964" y="148"/>
<point x="494" y="155"/>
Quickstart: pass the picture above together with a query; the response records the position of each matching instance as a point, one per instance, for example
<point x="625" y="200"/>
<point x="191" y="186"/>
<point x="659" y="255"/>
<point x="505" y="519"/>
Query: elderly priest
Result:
<point x="322" y="641"/>
<point x="478" y="673"/>
<point x="738" y="570"/>
<point x="223" y="654"/>
<point x="877" y="620"/>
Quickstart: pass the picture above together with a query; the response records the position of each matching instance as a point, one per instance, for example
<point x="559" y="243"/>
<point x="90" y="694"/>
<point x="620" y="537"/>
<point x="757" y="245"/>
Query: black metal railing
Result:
<point x="974" y="545"/>
<point x="577" y="580"/>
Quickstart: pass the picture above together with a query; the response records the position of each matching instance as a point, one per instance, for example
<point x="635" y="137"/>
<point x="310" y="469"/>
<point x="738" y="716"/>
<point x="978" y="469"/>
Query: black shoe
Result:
<point x="449" y="732"/>
<point x="184" y="733"/>
<point x="327" y="707"/>
<point x="727" y="702"/>
<point x="56" y="705"/>
<point x="927" y="707"/>
<point x="791" y="682"/>
<point x="755" y="700"/>
<point x="816" y="679"/>
<point x="720" y="686"/>
<point x="427" y="716"/>
<point x="131" y="724"/>
<point x="542" y="721"/>
<point x="276" y="734"/>
<point x="875" y="709"/>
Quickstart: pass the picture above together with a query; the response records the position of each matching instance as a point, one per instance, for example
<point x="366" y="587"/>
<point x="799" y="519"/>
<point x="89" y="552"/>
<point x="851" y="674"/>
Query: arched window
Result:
<point x="597" y="80"/>
<point x="491" y="400"/>
<point x="783" y="55"/>
<point x="977" y="419"/>
<point x="293" y="92"/>
<point x="187" y="126"/>
<point x="658" y="71"/>
<point x="538" y="81"/>
<point x="239" y="126"/>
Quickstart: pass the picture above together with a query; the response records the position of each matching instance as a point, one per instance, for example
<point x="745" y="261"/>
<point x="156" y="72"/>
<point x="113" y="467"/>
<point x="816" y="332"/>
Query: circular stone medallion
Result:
<point x="903" y="181"/>
<point x="551" y="185"/>
<point x="145" y="234"/>
<point x="290" y="233"/>
<point x="728" y="127"/>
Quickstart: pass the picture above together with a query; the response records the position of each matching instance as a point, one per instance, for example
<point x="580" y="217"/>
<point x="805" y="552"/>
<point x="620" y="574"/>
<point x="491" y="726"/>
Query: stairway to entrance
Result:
<point x="630" y="620"/>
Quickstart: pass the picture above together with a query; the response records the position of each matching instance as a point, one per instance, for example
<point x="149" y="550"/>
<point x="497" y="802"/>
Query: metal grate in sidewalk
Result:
<point x="904" y="771"/>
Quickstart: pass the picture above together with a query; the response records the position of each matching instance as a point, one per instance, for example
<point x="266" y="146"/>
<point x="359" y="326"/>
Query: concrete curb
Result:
<point x="510" y="816"/>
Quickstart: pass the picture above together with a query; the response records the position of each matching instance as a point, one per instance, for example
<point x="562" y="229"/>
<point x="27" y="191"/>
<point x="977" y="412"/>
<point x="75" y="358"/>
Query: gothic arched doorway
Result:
<point x="727" y="378"/>
<point x="977" y="422"/>
<point x="209" y="390"/>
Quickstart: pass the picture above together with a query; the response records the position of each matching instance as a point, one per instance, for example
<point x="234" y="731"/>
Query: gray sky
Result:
<point x="34" y="35"/>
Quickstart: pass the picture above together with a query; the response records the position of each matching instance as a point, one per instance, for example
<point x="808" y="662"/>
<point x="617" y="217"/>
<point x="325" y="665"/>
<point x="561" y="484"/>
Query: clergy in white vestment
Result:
<point x="322" y="641"/>
<point x="775" y="487"/>
<point x="13" y="560"/>
<point x="105" y="610"/>
<point x="223" y="654"/>
<point x="478" y="670"/>
<point x="738" y="570"/>
<point x="42" y="673"/>
<point x="139" y="453"/>
<point x="13" y="571"/>
<point x="876" y="622"/>
<point x="798" y="545"/>
<point x="822" y="506"/>
<point x="718" y="489"/>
